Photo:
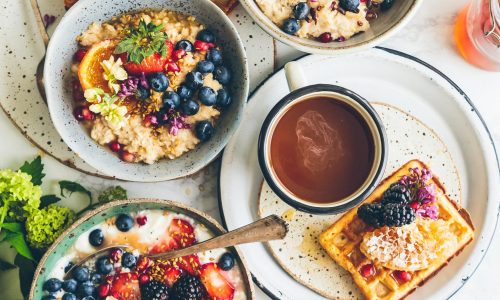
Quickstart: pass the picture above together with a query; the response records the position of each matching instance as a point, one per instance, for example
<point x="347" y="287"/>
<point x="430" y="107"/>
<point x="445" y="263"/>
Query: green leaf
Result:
<point x="6" y="266"/>
<point x="48" y="200"/>
<point x="17" y="241"/>
<point x="13" y="227"/>
<point x="35" y="169"/>
<point x="26" y="271"/>
<point x="73" y="187"/>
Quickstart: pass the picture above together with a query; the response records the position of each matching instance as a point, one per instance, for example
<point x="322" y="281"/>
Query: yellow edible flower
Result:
<point x="93" y="95"/>
<point x="113" y="71"/>
<point x="110" y="110"/>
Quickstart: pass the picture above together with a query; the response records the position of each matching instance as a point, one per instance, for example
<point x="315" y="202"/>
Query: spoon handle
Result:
<point x="39" y="22"/>
<point x="267" y="229"/>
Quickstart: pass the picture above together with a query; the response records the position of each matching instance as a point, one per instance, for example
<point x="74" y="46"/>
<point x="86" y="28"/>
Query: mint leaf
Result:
<point x="35" y="169"/>
<point x="5" y="265"/>
<point x="17" y="241"/>
<point x="73" y="187"/>
<point x="48" y="200"/>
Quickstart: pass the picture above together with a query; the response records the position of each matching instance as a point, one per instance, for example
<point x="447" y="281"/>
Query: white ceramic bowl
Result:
<point x="57" y="77"/>
<point x="386" y="25"/>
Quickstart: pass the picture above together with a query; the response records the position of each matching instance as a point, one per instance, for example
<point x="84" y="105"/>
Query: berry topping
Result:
<point x="184" y="92"/>
<point x="204" y="130"/>
<point x="371" y="214"/>
<point x="325" y="37"/>
<point x="182" y="231"/>
<point x="96" y="237"/>
<point x="350" y="5"/>
<point x="291" y="26"/>
<point x="86" y="288"/>
<point x="207" y="96"/>
<point x="190" y="107"/>
<point x="95" y="278"/>
<point x="128" y="260"/>
<point x="81" y="274"/>
<point x="143" y="93"/>
<point x="398" y="194"/>
<point x="69" y="285"/>
<point x="367" y="270"/>
<point x="178" y="54"/>
<point x="69" y="296"/>
<point x="226" y="261"/>
<point x="205" y="66"/>
<point x="151" y="64"/>
<point x="202" y="46"/>
<point x="184" y="45"/>
<point x="154" y="290"/>
<point x="143" y="263"/>
<point x="216" y="284"/>
<point x="103" y="290"/>
<point x="171" y="99"/>
<point x="115" y="147"/>
<point x="115" y="255"/>
<point x="301" y="11"/>
<point x="124" y="222"/>
<point x="222" y="75"/>
<point x="206" y="35"/>
<point x="158" y="82"/>
<point x="103" y="265"/>
<point x="172" y="67"/>
<point x="52" y="285"/>
<point x="386" y="5"/>
<point x="223" y="98"/>
<point x="125" y="286"/>
<point x="215" y="56"/>
<point x="188" y="288"/>
<point x="141" y="220"/>
<point x="150" y="120"/>
<point x="396" y="215"/>
<point x="194" y="80"/>
<point x="83" y="113"/>
<point x="80" y="54"/>
<point x="143" y="278"/>
<point x="402" y="276"/>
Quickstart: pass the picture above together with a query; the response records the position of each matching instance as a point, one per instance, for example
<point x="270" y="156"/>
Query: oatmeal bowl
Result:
<point x="331" y="26"/>
<point x="146" y="90"/>
<point x="104" y="255"/>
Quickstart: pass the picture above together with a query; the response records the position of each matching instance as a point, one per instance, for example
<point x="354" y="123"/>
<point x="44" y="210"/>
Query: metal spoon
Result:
<point x="45" y="38"/>
<point x="267" y="229"/>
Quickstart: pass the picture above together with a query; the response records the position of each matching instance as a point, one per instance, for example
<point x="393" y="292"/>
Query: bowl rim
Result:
<point x="141" y="175"/>
<point x="200" y="217"/>
<point x="304" y="45"/>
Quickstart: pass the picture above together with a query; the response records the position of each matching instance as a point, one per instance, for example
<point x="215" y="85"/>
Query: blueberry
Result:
<point x="222" y="75"/>
<point x="301" y="10"/>
<point x="128" y="260"/>
<point x="68" y="266"/>
<point x="205" y="66"/>
<point x="81" y="274"/>
<point x="143" y="93"/>
<point x="158" y="82"/>
<point x="349" y="5"/>
<point x="69" y="296"/>
<point x="226" y="261"/>
<point x="124" y="222"/>
<point x="194" y="80"/>
<point x="184" y="92"/>
<point x="52" y="285"/>
<point x="85" y="289"/>
<point x="185" y="45"/>
<point x="206" y="36"/>
<point x="96" y="237"/>
<point x="171" y="99"/>
<point x="96" y="278"/>
<point x="190" y="107"/>
<point x="291" y="26"/>
<point x="69" y="285"/>
<point x="386" y="5"/>
<point x="207" y="96"/>
<point x="214" y="56"/>
<point x="103" y="265"/>
<point x="223" y="98"/>
<point x="204" y="130"/>
<point x="88" y="298"/>
<point x="49" y="297"/>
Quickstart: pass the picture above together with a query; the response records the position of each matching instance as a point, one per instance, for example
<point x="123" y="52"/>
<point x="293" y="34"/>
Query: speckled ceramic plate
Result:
<point x="96" y="216"/>
<point x="22" y="49"/>
<point x="454" y="134"/>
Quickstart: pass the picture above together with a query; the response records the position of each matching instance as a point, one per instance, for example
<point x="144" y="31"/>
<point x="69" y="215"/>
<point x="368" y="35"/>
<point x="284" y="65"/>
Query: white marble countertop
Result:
<point x="429" y="36"/>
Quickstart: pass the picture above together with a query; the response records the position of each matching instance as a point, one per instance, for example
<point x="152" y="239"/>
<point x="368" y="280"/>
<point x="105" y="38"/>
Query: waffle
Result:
<point x="343" y="239"/>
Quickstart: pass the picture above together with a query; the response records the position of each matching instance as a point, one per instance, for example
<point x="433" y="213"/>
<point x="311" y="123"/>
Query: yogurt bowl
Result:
<point x="147" y="226"/>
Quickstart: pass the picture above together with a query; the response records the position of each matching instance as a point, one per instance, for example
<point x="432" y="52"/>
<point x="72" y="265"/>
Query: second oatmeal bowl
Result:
<point x="146" y="90"/>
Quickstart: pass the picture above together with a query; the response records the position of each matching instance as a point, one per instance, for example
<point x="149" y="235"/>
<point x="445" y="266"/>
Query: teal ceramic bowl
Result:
<point x="98" y="215"/>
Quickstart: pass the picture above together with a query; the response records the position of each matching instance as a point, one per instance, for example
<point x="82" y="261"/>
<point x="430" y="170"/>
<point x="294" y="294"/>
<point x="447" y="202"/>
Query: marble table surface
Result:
<point x="429" y="36"/>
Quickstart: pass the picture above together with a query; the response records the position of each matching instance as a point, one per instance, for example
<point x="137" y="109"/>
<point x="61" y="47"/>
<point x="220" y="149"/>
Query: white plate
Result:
<point x="391" y="77"/>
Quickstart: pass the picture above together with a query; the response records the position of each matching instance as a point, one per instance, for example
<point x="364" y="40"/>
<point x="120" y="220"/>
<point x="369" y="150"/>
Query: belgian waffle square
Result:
<point x="342" y="242"/>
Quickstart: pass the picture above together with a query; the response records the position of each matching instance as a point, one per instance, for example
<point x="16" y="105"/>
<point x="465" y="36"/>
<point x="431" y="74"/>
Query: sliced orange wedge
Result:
<point x="90" y="71"/>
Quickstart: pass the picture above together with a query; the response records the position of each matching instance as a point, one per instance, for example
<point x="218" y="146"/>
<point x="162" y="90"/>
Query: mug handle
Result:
<point x="295" y="76"/>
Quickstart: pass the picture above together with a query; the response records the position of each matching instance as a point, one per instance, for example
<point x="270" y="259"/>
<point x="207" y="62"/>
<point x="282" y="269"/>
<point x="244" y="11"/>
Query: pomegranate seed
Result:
<point x="341" y="39"/>
<point x="77" y="91"/>
<point x="178" y="54"/>
<point x="414" y="205"/>
<point x="82" y="113"/>
<point x="325" y="37"/>
<point x="127" y="156"/>
<point x="402" y="276"/>
<point x="143" y="278"/>
<point x="367" y="270"/>
<point x="115" y="255"/>
<point x="150" y="120"/>
<point x="141" y="220"/>
<point x="173" y="67"/>
<point x="202" y="46"/>
<point x="103" y="290"/>
<point x="109" y="279"/>
<point x="143" y="263"/>
<point x="115" y="146"/>
<point x="80" y="54"/>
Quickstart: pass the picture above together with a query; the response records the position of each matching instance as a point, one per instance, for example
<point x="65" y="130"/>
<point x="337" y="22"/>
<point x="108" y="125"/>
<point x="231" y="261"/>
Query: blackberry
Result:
<point x="154" y="290"/>
<point x="371" y="214"/>
<point x="397" y="215"/>
<point x="188" y="288"/>
<point x="397" y="194"/>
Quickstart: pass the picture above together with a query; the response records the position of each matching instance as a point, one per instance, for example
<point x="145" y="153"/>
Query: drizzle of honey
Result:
<point x="288" y="214"/>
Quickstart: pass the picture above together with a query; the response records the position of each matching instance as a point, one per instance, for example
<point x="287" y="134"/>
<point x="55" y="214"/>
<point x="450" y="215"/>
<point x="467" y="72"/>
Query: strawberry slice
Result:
<point x="166" y="244"/>
<point x="125" y="286"/>
<point x="182" y="231"/>
<point x="151" y="64"/>
<point x="217" y="285"/>
<point x="189" y="263"/>
<point x="171" y="275"/>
